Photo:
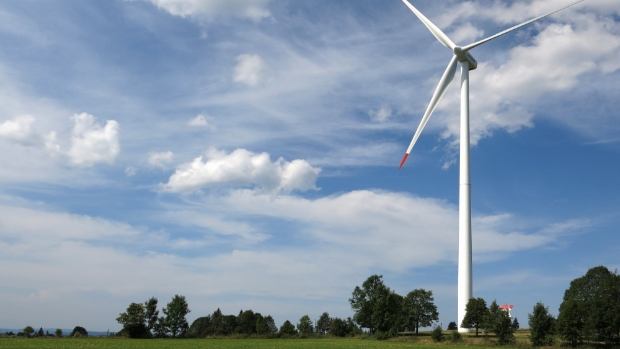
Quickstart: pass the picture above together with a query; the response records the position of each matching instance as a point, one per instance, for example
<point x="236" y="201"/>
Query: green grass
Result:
<point x="55" y="343"/>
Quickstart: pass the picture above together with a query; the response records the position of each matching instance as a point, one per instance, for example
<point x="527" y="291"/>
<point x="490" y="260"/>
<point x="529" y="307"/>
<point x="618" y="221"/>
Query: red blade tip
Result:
<point x="403" y="162"/>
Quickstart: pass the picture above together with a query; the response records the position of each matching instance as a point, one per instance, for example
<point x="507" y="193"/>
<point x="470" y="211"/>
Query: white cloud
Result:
<point x="339" y="239"/>
<point x="501" y="96"/>
<point x="19" y="130"/>
<point x="465" y="34"/>
<point x="249" y="69"/>
<point x="161" y="160"/>
<point x="131" y="171"/>
<point x="381" y="115"/>
<point x="253" y="9"/>
<point x="368" y="222"/>
<point x="242" y="168"/>
<point x="91" y="143"/>
<point x="199" y="121"/>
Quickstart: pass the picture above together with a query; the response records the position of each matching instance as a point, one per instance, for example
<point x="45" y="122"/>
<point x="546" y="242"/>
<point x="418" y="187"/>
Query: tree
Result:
<point x="515" y="324"/>
<point x="322" y="326"/>
<point x="475" y="314"/>
<point x="452" y="326"/>
<point x="338" y="327"/>
<point x="160" y="328"/>
<point x="133" y="321"/>
<point x="266" y="325"/>
<point x="419" y="310"/>
<point x="590" y="310"/>
<point x="387" y="314"/>
<point x="542" y="325"/>
<point x="288" y="328"/>
<point x="79" y="331"/>
<point x="58" y="332"/>
<point x="246" y="322"/>
<point x="40" y="332"/>
<point x="352" y="328"/>
<point x="175" y="312"/>
<point x="503" y="329"/>
<point x="151" y="313"/>
<point x="492" y="316"/>
<point x="199" y="327"/>
<point x="364" y="299"/>
<point x="28" y="330"/>
<point x="305" y="325"/>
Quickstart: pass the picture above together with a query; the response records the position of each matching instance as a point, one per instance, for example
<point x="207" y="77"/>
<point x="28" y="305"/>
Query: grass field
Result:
<point x="106" y="343"/>
<point x="418" y="342"/>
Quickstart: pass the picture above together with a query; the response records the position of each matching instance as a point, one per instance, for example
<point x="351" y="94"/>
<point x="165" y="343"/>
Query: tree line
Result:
<point x="589" y="313"/>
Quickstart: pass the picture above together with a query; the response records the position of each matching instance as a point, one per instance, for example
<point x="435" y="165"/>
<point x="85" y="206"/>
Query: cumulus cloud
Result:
<point x="381" y="115"/>
<point x="253" y="9"/>
<point x="91" y="142"/>
<point x="501" y="96"/>
<point x="161" y="160"/>
<point x="249" y="69"/>
<point x="243" y="168"/>
<point x="19" y="130"/>
<point x="199" y="121"/>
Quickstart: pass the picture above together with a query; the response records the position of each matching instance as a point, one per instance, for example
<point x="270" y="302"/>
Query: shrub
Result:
<point x="455" y="336"/>
<point x="437" y="334"/>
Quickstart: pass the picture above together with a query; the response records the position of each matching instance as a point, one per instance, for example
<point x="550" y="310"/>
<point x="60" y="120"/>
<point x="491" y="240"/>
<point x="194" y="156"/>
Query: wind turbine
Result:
<point x="468" y="62"/>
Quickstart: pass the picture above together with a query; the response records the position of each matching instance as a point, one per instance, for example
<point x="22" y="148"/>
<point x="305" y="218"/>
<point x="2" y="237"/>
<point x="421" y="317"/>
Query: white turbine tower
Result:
<point x="462" y="55"/>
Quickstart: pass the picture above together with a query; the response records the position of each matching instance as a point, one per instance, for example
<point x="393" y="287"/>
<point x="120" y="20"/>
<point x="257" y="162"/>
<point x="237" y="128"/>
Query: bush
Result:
<point x="455" y="336"/>
<point x="437" y="334"/>
<point x="380" y="335"/>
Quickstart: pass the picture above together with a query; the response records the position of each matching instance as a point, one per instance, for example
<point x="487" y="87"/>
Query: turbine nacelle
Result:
<point x="464" y="56"/>
<point x="461" y="54"/>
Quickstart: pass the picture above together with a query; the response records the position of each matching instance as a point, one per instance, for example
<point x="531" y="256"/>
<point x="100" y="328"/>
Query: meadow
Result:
<point x="419" y="342"/>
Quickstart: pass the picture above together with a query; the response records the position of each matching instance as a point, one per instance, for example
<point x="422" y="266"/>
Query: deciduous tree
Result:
<point x="246" y="322"/>
<point x="175" y="312"/>
<point x="364" y="300"/>
<point x="590" y="310"/>
<point x="419" y="310"/>
<point x="322" y="326"/>
<point x="133" y="321"/>
<point x="266" y="325"/>
<point x="305" y="325"/>
<point x="151" y="313"/>
<point x="542" y="325"/>
<point x="475" y="314"/>
<point x="28" y="330"/>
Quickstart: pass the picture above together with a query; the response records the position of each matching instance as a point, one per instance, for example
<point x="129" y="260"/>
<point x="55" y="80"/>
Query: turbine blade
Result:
<point x="443" y="38"/>
<point x="445" y="81"/>
<point x="469" y="47"/>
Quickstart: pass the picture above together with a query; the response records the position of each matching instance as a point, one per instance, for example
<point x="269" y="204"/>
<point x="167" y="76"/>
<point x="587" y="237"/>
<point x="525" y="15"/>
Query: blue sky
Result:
<point x="245" y="153"/>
